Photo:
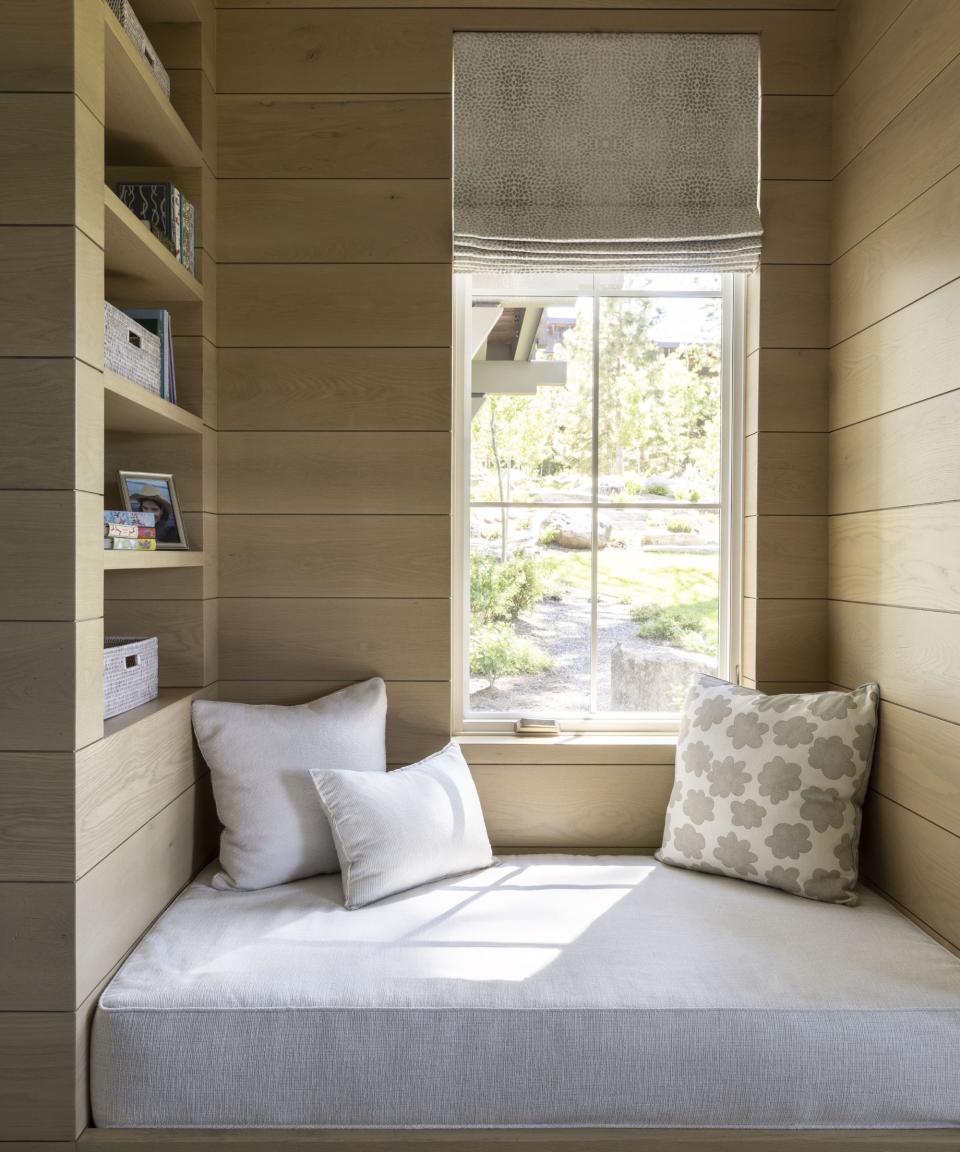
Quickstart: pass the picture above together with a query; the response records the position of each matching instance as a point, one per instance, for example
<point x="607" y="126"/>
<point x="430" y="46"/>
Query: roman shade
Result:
<point x="605" y="151"/>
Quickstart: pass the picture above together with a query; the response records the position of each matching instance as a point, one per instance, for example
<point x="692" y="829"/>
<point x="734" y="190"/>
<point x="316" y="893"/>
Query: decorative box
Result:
<point x="131" y="674"/>
<point x="135" y="33"/>
<point x="131" y="350"/>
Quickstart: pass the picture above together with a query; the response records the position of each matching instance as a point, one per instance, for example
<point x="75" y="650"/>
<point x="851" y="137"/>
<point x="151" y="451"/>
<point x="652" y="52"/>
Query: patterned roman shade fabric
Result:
<point x="605" y="151"/>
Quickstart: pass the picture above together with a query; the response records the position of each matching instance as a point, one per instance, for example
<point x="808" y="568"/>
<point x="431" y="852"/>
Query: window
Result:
<point x="597" y="522"/>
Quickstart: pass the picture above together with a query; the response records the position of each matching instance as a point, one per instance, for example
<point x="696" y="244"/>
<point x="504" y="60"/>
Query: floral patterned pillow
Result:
<point x="769" y="788"/>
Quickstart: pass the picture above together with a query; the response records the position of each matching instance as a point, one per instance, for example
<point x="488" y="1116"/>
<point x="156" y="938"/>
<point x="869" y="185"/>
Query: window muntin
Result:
<point x="597" y="538"/>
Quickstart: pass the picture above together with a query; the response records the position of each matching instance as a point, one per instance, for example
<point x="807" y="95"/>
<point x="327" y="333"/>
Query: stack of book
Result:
<point x="169" y="215"/>
<point x="130" y="531"/>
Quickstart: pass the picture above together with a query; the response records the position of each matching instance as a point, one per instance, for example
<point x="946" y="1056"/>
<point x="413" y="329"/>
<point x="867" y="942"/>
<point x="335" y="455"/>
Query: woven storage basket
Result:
<point x="130" y="673"/>
<point x="135" y="33"/>
<point x="130" y="350"/>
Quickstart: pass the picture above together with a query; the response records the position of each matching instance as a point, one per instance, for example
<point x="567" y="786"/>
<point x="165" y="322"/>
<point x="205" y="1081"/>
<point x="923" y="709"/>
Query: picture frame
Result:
<point x="157" y="490"/>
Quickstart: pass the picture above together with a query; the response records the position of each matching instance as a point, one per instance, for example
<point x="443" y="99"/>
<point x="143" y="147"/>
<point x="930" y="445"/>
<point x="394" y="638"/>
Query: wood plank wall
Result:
<point x="335" y="373"/>
<point x="894" y="574"/>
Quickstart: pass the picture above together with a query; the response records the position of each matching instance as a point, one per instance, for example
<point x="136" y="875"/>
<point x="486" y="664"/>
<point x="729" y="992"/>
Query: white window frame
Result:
<point x="732" y="366"/>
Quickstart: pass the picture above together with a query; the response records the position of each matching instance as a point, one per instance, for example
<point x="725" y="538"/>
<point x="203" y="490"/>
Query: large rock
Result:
<point x="572" y="530"/>
<point x="654" y="678"/>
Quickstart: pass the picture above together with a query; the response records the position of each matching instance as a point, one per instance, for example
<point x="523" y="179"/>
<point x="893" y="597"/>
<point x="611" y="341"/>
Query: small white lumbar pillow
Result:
<point x="260" y="756"/>
<point x="404" y="828"/>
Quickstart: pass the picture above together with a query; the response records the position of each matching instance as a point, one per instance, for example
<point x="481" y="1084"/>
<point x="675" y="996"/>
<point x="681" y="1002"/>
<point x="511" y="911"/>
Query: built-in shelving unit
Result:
<point x="167" y="698"/>
<point x="138" y="561"/>
<point x="129" y="408"/>
<point x="136" y="263"/>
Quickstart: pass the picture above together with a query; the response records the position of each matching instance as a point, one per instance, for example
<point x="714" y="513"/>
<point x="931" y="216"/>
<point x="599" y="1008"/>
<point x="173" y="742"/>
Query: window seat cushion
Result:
<point x="547" y="990"/>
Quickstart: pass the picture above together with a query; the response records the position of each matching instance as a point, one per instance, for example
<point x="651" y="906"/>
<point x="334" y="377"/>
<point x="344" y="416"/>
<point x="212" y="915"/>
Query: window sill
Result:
<point x="569" y="748"/>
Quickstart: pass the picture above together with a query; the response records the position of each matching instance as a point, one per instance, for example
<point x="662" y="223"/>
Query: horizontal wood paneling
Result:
<point x="36" y="816"/>
<point x="36" y="1076"/>
<point x="791" y="556"/>
<point x="38" y="663"/>
<point x="925" y="39"/>
<point x="916" y="862"/>
<point x="905" y="457"/>
<point x="912" y="153"/>
<point x="185" y="629"/>
<point x="590" y="748"/>
<point x="915" y="764"/>
<point x="338" y="305"/>
<point x="411" y="51"/>
<point x="574" y="805"/>
<point x="794" y="306"/>
<point x="790" y="474"/>
<point x="418" y="714"/>
<point x="909" y="356"/>
<point x="553" y="5"/>
<point x="36" y="158"/>
<point x="137" y="881"/>
<point x="795" y="138"/>
<point x="913" y="254"/>
<point x="790" y="640"/>
<point x="335" y="556"/>
<point x="348" y="137"/>
<point x="334" y="639"/>
<point x="128" y="777"/>
<point x="353" y="389"/>
<point x="860" y="24"/>
<point x="324" y="221"/>
<point x="37" y="278"/>
<point x="909" y="557"/>
<point x="317" y="472"/>
<point x="36" y="948"/>
<point x="786" y="390"/>
<point x="913" y="655"/>
<point x="796" y="221"/>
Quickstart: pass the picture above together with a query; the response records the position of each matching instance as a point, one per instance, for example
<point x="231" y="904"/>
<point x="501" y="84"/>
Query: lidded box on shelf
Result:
<point x="136" y="35"/>
<point x="131" y="673"/>
<point x="131" y="350"/>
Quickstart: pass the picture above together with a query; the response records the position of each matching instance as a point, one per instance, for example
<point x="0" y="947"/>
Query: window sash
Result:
<point x="730" y="508"/>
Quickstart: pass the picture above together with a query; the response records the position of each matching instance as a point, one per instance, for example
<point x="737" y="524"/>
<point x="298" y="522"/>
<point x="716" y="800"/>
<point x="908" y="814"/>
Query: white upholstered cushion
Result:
<point x="406" y="828"/>
<point x="260" y="756"/>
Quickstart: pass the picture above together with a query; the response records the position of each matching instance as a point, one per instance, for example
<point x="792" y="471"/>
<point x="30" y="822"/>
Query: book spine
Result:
<point x="192" y="251"/>
<point x="176" y="231"/>
<point x="114" y="516"/>
<point x="130" y="531"/>
<point x="171" y="371"/>
<point x="135" y="545"/>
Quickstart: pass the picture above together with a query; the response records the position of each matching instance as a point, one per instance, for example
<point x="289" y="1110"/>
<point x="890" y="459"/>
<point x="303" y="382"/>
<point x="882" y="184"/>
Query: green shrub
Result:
<point x="496" y="650"/>
<point x="664" y="624"/>
<point x="501" y="589"/>
<point x="679" y="526"/>
<point x="549" y="534"/>
<point x="656" y="489"/>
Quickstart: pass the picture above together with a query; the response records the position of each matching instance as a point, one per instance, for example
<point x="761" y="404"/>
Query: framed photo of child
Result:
<point x="155" y="492"/>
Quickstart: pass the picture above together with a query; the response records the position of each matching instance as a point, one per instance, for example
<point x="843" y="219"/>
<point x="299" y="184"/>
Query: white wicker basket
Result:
<point x="135" y="33"/>
<point x="131" y="350"/>
<point x="131" y="673"/>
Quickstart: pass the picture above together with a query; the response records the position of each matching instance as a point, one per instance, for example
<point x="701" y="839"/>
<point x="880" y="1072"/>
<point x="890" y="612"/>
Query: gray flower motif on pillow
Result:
<point x="735" y="854"/>
<point x="863" y="741"/>
<point x="846" y="853"/>
<point x="793" y="732"/>
<point x="824" y="885"/>
<point x="789" y="840"/>
<point x="832" y="757"/>
<point x="728" y="777"/>
<point x="698" y="806"/>
<point x="696" y="758"/>
<point x="787" y="878"/>
<point x="712" y="710"/>
<point x="746" y="731"/>
<point x="822" y="807"/>
<point x="778" y="778"/>
<point x="777" y="703"/>
<point x="747" y="813"/>
<point x="688" y="841"/>
<point x="832" y="705"/>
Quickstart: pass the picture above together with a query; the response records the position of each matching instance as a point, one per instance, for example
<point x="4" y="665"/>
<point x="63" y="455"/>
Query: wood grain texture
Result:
<point x="466" y="6"/>
<point x="790" y="476"/>
<point x="796" y="221"/>
<point x="574" y="805"/>
<point x="335" y="556"/>
<point x="794" y="306"/>
<point x="125" y="779"/>
<point x="902" y="458"/>
<point x="911" y="255"/>
<point x="37" y="292"/>
<point x="783" y="640"/>
<point x="36" y="1076"/>
<point x="338" y="305"/>
<point x="860" y="24"/>
<point x="346" y="137"/>
<point x="922" y="41"/>
<point x="916" y="862"/>
<point x="185" y="630"/>
<point x="791" y="556"/>
<point x="907" y="357"/>
<point x="37" y="158"/>
<point x="418" y="714"/>
<point x="913" y="655"/>
<point x="36" y="816"/>
<point x="915" y="150"/>
<point x="591" y="748"/>
<point x="335" y="221"/>
<point x="36" y="950"/>
<point x="340" y="389"/>
<point x="908" y="557"/>
<point x="795" y="138"/>
<point x="335" y="639"/>
<point x="138" y="880"/>
<point x="37" y="685"/>
<point x="786" y="390"/>
<point x="317" y="472"/>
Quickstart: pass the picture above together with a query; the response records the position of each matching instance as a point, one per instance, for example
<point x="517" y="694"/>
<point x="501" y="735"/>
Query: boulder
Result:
<point x="572" y="530"/>
<point x="653" y="678"/>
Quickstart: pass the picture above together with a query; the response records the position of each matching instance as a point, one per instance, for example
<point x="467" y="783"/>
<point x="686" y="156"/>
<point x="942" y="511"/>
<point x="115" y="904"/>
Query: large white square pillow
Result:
<point x="769" y="788"/>
<point x="260" y="756"/>
<point x="405" y="828"/>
